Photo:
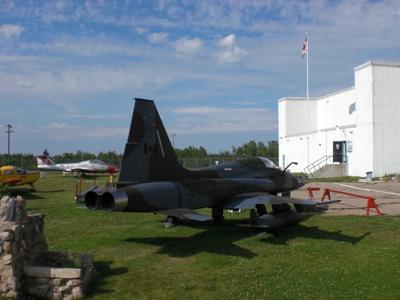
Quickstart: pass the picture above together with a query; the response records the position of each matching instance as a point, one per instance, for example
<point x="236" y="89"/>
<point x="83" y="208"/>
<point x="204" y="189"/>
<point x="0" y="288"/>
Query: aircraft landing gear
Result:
<point x="218" y="215"/>
<point x="253" y="217"/>
<point x="172" y="221"/>
<point x="261" y="209"/>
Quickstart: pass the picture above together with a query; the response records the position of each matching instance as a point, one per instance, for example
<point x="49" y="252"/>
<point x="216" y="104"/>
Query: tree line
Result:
<point x="249" y="149"/>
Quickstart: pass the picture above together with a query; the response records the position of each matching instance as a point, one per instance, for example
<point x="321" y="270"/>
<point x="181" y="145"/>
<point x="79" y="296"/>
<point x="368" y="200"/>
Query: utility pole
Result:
<point x="8" y="131"/>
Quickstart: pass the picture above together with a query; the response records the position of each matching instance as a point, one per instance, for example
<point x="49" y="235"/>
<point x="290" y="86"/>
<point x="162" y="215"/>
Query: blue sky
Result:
<point x="69" y="69"/>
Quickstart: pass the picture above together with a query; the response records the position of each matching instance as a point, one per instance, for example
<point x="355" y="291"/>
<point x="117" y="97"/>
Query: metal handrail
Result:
<point x="316" y="164"/>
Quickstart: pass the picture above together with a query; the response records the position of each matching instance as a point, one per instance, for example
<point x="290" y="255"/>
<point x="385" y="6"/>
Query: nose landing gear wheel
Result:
<point x="218" y="215"/>
<point x="172" y="221"/>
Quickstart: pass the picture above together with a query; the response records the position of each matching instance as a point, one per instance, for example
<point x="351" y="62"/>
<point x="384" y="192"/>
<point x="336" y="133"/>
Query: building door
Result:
<point x="339" y="151"/>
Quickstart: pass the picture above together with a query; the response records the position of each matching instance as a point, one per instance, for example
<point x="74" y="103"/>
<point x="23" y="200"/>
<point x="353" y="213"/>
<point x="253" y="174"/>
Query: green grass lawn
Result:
<point x="324" y="257"/>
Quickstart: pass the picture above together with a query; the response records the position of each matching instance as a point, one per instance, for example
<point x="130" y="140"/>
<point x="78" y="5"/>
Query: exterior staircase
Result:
<point x="324" y="167"/>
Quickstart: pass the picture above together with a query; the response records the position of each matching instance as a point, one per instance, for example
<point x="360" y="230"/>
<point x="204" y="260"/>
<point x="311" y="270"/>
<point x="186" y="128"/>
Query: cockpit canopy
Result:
<point x="97" y="162"/>
<point x="268" y="163"/>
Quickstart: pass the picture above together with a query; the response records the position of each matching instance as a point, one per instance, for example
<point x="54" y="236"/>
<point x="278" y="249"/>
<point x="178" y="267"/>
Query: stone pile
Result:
<point x="27" y="268"/>
<point x="55" y="282"/>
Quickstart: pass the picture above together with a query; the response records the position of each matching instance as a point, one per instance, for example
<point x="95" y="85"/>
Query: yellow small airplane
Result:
<point x="13" y="176"/>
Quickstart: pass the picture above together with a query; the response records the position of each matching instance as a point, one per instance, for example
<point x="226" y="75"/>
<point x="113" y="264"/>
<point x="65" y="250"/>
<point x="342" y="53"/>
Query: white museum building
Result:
<point x="350" y="132"/>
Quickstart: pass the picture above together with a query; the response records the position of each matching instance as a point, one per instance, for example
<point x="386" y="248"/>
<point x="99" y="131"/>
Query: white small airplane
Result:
<point x="45" y="163"/>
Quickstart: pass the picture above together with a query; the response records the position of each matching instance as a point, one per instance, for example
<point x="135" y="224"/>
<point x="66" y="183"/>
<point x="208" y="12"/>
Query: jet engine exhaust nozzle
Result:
<point x="109" y="201"/>
<point x="91" y="200"/>
<point x="114" y="201"/>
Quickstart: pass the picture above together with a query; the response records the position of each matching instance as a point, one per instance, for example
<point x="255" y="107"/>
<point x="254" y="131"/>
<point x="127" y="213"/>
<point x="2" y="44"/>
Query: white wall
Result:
<point x="386" y="116"/>
<point x="329" y="121"/>
<point x="362" y="160"/>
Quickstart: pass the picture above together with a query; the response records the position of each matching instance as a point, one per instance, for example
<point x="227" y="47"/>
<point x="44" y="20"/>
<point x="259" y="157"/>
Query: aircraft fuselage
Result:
<point x="207" y="187"/>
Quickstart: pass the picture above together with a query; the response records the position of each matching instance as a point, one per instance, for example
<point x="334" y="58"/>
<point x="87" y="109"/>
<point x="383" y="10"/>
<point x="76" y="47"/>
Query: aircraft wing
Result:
<point x="250" y="200"/>
<point x="80" y="169"/>
<point x="185" y="213"/>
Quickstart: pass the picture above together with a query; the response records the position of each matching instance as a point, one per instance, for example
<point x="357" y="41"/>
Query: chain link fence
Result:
<point x="194" y="163"/>
<point x="28" y="162"/>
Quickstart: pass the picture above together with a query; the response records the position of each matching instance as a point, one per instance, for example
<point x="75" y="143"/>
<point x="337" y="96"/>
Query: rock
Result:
<point x="69" y="273"/>
<point x="7" y="259"/>
<point x="74" y="282"/>
<point x="41" y="280"/>
<point x="6" y="236"/>
<point x="14" y="248"/>
<point x="7" y="271"/>
<point x="20" y="200"/>
<point x="8" y="226"/>
<point x="77" y="292"/>
<point x="2" y="211"/>
<point x="64" y="289"/>
<point x="56" y="282"/>
<point x="7" y="247"/>
<point x="38" y="290"/>
<point x="3" y="288"/>
<point x="56" y="296"/>
<point x="11" y="294"/>
<point x="12" y="284"/>
<point x="9" y="214"/>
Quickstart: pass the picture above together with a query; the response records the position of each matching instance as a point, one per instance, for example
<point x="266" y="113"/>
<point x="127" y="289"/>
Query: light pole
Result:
<point x="8" y="131"/>
<point x="173" y="140"/>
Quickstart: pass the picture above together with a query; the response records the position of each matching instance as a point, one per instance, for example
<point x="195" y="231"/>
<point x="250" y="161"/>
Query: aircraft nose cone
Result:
<point x="300" y="183"/>
<point x="113" y="169"/>
<point x="297" y="183"/>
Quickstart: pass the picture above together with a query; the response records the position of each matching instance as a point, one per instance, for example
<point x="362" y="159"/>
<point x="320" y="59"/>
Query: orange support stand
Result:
<point x="370" y="200"/>
<point x="310" y="192"/>
<point x="78" y="189"/>
<point x="371" y="204"/>
<point x="327" y="193"/>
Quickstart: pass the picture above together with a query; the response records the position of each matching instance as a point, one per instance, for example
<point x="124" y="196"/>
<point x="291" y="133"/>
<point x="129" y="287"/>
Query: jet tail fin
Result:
<point x="148" y="155"/>
<point x="44" y="160"/>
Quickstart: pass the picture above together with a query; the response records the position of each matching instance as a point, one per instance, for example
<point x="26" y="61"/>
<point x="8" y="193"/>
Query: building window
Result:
<point x="352" y="108"/>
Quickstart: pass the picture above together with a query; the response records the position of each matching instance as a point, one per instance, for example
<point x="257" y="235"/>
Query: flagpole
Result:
<point x="308" y="50"/>
<point x="308" y="106"/>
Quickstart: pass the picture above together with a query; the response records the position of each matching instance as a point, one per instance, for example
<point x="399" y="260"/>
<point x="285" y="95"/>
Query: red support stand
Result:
<point x="327" y="193"/>
<point x="371" y="204"/>
<point x="310" y="192"/>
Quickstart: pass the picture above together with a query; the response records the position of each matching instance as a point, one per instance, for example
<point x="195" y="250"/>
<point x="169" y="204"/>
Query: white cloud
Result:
<point x="86" y="47"/>
<point x="230" y="52"/>
<point x="60" y="131"/>
<point x="57" y="125"/>
<point x="66" y="86"/>
<point x="227" y="41"/>
<point x="8" y="31"/>
<point x="140" y="29"/>
<point x="212" y="119"/>
<point x="91" y="116"/>
<point x="186" y="45"/>
<point x="214" y="109"/>
<point x="157" y="37"/>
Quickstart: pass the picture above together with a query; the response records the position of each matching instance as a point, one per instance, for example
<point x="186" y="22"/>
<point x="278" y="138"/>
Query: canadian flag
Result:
<point x="304" y="50"/>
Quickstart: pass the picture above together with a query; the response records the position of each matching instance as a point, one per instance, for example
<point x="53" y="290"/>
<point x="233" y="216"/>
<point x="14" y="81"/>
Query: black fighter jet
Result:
<point x="152" y="180"/>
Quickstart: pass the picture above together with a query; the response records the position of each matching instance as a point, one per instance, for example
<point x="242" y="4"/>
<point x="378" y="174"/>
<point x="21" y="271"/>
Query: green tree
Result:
<point x="273" y="149"/>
